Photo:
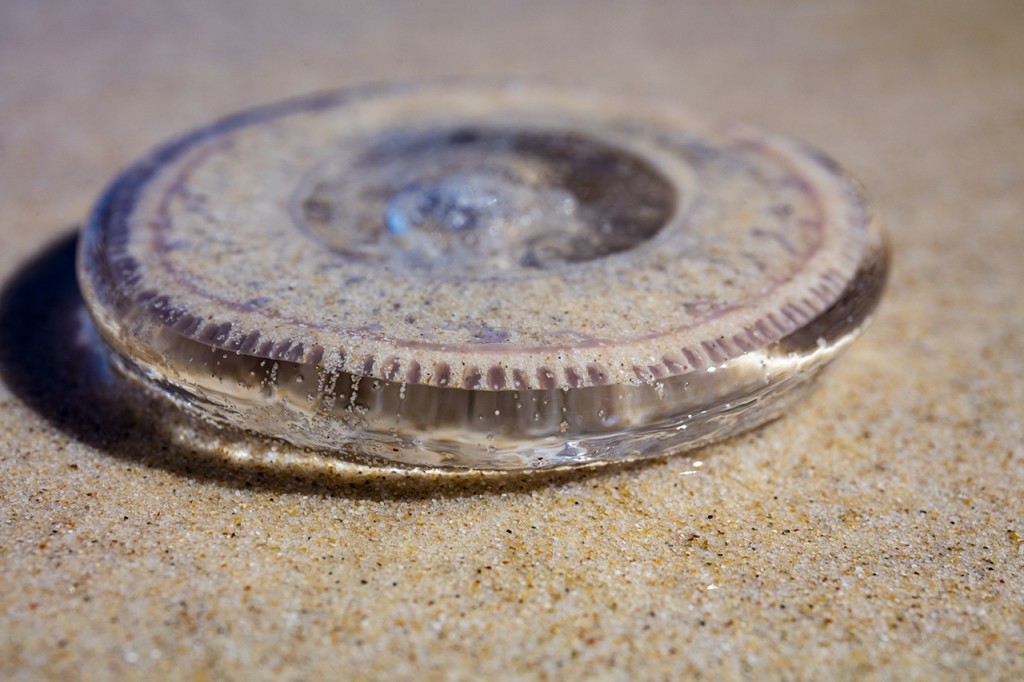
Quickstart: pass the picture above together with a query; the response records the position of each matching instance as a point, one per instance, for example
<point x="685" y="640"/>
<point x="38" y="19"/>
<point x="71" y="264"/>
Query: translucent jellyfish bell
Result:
<point x="482" y="275"/>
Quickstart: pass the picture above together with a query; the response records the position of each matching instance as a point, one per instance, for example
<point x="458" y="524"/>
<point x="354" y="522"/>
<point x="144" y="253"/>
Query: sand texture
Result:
<point x="877" y="531"/>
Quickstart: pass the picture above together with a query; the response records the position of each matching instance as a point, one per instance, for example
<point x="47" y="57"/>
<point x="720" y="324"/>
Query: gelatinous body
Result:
<point x="481" y="275"/>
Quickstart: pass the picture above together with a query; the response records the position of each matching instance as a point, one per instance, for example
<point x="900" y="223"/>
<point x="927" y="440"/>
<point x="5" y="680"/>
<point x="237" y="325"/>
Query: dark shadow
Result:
<point x="51" y="359"/>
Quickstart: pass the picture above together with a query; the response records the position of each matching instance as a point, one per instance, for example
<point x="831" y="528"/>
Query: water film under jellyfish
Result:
<point x="482" y="275"/>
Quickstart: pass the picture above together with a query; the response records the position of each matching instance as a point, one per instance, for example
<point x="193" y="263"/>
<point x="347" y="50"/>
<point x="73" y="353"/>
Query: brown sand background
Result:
<point x="878" y="531"/>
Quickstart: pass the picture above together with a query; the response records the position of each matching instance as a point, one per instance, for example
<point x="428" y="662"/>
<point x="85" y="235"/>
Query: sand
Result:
<point x="873" y="532"/>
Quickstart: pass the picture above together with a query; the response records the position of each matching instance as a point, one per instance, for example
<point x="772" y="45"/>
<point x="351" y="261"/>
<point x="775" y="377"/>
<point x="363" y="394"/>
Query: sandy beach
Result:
<point x="875" y="532"/>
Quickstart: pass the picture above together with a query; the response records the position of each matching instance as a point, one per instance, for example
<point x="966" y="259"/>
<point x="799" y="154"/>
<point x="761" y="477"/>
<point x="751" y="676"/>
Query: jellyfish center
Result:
<point x="480" y="201"/>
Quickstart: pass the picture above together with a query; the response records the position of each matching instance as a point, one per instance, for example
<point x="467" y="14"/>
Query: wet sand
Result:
<point x="875" y="530"/>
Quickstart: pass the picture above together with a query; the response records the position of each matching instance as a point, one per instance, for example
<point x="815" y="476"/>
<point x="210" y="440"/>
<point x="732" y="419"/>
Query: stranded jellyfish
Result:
<point x="482" y="275"/>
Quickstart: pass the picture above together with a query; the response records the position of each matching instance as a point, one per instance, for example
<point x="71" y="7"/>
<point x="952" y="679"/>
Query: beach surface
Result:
<point x="876" y="531"/>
